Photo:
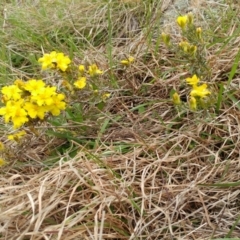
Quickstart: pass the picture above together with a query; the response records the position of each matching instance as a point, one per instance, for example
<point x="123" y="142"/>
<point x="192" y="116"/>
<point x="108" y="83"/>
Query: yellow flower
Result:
<point x="9" y="111"/>
<point x="44" y="96"/>
<point x="19" y="117"/>
<point x="176" y="99"/>
<point x="81" y="69"/>
<point x="48" y="60"/>
<point x="55" y="60"/>
<point x="127" y="62"/>
<point x="19" y="83"/>
<point x="182" y="21"/>
<point x="35" y="111"/>
<point x="193" y="103"/>
<point x="194" y="80"/>
<point x="200" y="91"/>
<point x="58" y="104"/>
<point x="11" y="92"/>
<point x="2" y="162"/>
<point x="93" y="70"/>
<point x="62" y="61"/>
<point x="34" y="85"/>
<point x="80" y="83"/>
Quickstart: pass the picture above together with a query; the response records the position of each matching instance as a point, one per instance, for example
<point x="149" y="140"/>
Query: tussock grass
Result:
<point x="138" y="169"/>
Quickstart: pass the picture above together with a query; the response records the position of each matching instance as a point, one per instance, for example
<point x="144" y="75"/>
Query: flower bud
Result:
<point x="190" y="18"/>
<point x="176" y="99"/>
<point x="199" y="32"/>
<point x="193" y="103"/>
<point x="166" y="39"/>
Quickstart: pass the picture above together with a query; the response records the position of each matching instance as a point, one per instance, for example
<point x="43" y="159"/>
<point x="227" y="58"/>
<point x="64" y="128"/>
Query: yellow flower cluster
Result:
<point x="30" y="100"/>
<point x="93" y="71"/>
<point x="187" y="47"/>
<point x="189" y="32"/>
<point x="54" y="60"/>
<point x="198" y="91"/>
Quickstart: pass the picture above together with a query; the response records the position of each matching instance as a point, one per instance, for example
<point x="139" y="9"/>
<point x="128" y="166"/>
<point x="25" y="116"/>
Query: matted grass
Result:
<point x="137" y="169"/>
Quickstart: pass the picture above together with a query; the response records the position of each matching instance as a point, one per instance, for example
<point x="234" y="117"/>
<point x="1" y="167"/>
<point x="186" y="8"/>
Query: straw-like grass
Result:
<point x="138" y="169"/>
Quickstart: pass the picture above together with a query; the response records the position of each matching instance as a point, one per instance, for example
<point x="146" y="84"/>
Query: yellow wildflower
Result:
<point x="19" y="83"/>
<point x="7" y="113"/>
<point x="34" y="85"/>
<point x="11" y="92"/>
<point x="200" y="91"/>
<point x="35" y="111"/>
<point x="182" y="21"/>
<point x="55" y="60"/>
<point x="19" y="117"/>
<point x="48" y="60"/>
<point x="194" y="80"/>
<point x="9" y="110"/>
<point x="62" y="61"/>
<point x="58" y="104"/>
<point x="80" y="83"/>
<point x="44" y="96"/>
<point x="128" y="61"/>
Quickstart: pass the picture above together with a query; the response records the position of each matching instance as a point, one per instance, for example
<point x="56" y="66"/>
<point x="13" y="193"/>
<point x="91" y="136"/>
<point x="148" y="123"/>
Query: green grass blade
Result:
<point x="233" y="227"/>
<point x="234" y="68"/>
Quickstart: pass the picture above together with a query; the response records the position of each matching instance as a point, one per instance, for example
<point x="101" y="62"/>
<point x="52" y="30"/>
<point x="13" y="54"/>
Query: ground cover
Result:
<point x="145" y="143"/>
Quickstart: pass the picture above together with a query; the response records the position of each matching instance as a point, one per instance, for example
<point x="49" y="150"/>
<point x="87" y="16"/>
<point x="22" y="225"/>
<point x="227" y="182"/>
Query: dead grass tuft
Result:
<point x="153" y="172"/>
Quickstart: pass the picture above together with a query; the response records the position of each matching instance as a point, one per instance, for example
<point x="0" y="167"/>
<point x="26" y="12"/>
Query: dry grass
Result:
<point x="151" y="172"/>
